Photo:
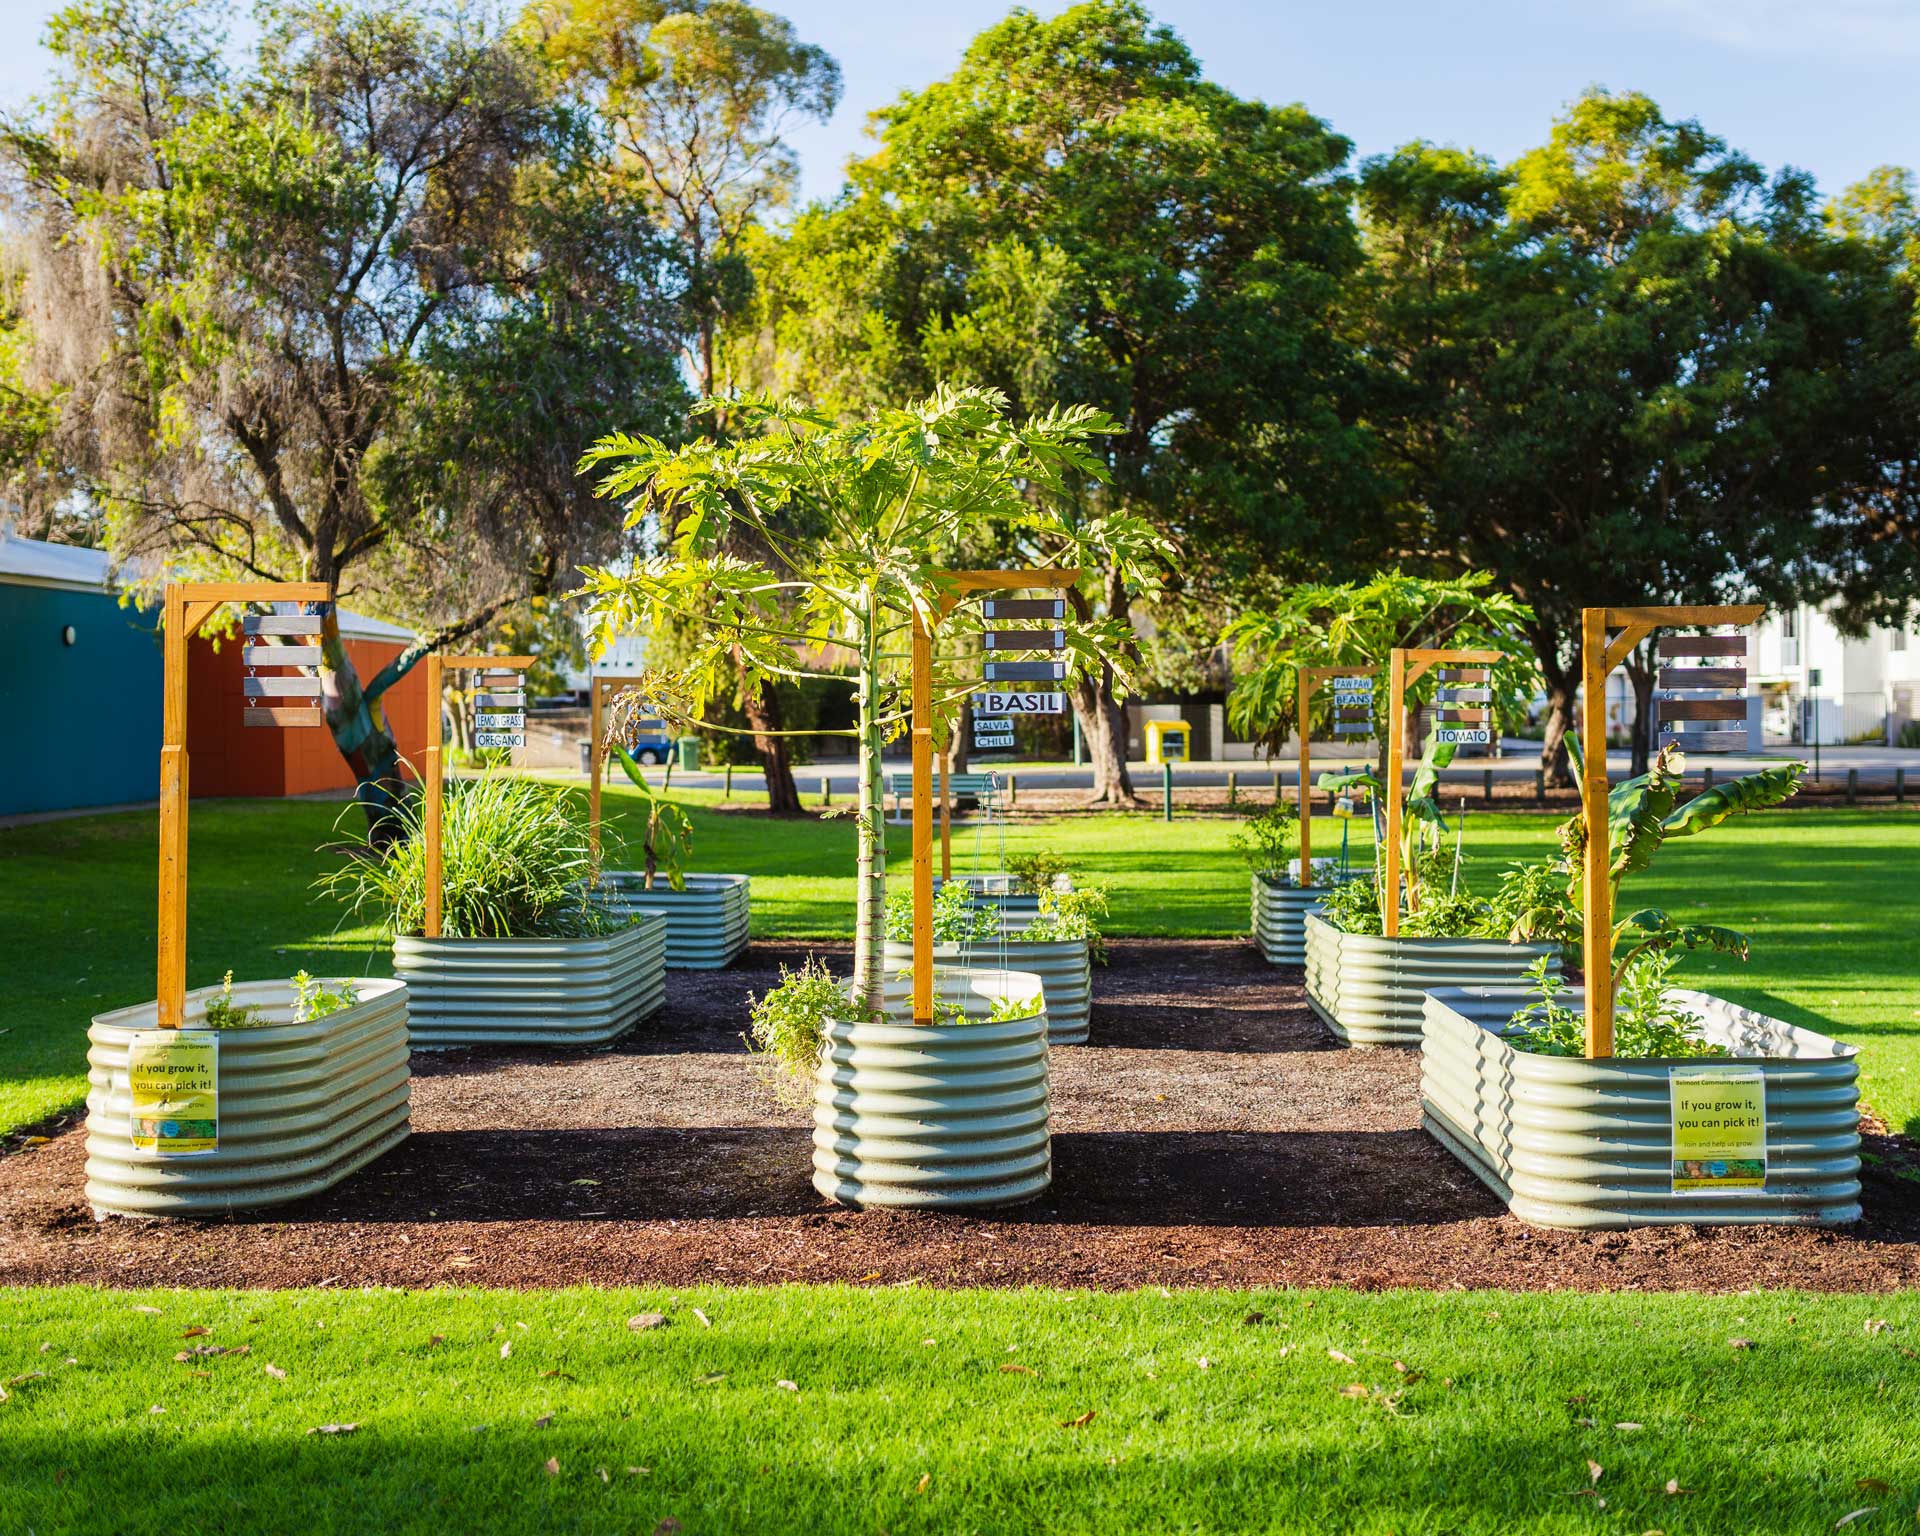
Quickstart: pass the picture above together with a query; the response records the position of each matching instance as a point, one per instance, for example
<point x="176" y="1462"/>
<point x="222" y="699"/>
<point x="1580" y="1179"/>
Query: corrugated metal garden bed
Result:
<point x="1568" y="1142"/>
<point x="707" y="923"/>
<point x="1063" y="967"/>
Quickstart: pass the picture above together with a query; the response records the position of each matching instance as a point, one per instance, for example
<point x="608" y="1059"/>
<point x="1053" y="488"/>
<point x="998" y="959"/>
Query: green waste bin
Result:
<point x="689" y="752"/>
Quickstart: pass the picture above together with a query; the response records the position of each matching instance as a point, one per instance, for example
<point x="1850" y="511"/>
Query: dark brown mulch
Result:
<point x="1212" y="1134"/>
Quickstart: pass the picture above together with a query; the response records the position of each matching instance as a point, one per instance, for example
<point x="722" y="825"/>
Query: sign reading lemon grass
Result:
<point x="173" y="1077"/>
<point x="1719" y="1129"/>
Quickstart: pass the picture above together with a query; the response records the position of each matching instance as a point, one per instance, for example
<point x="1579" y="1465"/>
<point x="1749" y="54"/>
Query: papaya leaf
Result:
<point x="1753" y="792"/>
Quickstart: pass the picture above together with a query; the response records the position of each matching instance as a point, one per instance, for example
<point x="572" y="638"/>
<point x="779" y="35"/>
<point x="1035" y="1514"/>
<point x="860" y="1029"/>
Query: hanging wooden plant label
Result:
<point x="261" y="694"/>
<point x="1699" y="702"/>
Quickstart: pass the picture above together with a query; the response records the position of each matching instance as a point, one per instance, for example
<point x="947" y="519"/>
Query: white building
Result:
<point x="1819" y="686"/>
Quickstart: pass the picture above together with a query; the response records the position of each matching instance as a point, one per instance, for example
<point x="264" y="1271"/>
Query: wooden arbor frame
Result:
<point x="185" y="607"/>
<point x="1407" y="667"/>
<point x="436" y="670"/>
<point x="603" y="689"/>
<point x="1607" y="635"/>
<point x="960" y="585"/>
<point x="1309" y="681"/>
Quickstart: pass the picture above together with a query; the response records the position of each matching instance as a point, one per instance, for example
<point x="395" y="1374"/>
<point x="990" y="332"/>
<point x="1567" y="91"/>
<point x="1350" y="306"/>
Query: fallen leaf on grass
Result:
<point x="1674" y="1490"/>
<point x="639" y="1471"/>
<point x="436" y="1341"/>
<point x="196" y="1333"/>
<point x="553" y="1466"/>
<point x="1627" y="1426"/>
<point x="46" y="1349"/>
<point x="1080" y="1423"/>
<point x="705" y="1321"/>
<point x="1873" y="1485"/>
<point x="1594" y="1469"/>
<point x="710" y="1378"/>
<point x="545" y="1421"/>
<point x="1876" y="1325"/>
<point x="1741" y="1343"/>
<point x="1013" y="1368"/>
<point x="460" y="1261"/>
<point x="1204" y="1363"/>
<point x="640" y="1322"/>
<point x="506" y="1349"/>
<point x="604" y="1475"/>
<point x="787" y="1386"/>
<point x="667" y="1527"/>
<point x="275" y="1372"/>
<point x="1344" y="1359"/>
<point x="1854" y="1514"/>
<point x="156" y="1408"/>
<point x="555" y="1372"/>
<point x="1356" y="1389"/>
<point x="334" y="1429"/>
<point x="921" y="1486"/>
<point x="1253" y="1319"/>
<point x="150" y="1311"/>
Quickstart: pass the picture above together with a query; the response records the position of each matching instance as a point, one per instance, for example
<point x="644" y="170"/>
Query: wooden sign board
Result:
<point x="499" y="739"/>
<point x="1025" y="639"/>
<point x="1463" y="736"/>
<point x="280" y="655"/>
<point x="1029" y="608"/>
<point x="1026" y="671"/>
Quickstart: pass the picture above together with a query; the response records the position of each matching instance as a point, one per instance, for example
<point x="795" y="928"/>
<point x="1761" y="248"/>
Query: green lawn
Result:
<point x="915" y="1410"/>
<point x="1828" y="896"/>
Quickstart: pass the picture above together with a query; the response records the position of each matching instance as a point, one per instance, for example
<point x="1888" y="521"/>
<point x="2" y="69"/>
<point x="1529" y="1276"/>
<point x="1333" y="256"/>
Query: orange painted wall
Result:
<point x="227" y="757"/>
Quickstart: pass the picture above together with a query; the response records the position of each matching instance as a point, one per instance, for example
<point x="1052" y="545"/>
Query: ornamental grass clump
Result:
<point x="515" y="864"/>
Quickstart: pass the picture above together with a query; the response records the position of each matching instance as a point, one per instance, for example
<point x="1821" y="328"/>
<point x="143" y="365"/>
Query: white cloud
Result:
<point x="1866" y="29"/>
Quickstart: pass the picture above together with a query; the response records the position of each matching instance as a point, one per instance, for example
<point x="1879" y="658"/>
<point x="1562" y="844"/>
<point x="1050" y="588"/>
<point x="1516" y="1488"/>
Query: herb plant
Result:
<point x="1039" y="872"/>
<point x="788" y="1026"/>
<point x="1647" y="1024"/>
<point x="1355" y="906"/>
<point x="1071" y="915"/>
<point x="223" y="1012"/>
<point x="1266" y="841"/>
<point x="314" y="999"/>
<point x="956" y="920"/>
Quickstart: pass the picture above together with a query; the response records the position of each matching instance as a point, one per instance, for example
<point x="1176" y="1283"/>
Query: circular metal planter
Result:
<point x="706" y="923"/>
<point x="1063" y="967"/>
<point x="1280" y="909"/>
<point x="1588" y="1144"/>
<point x="1016" y="907"/>
<point x="302" y="1106"/>
<point x="565" y="992"/>
<point x="936" y="1116"/>
<point x="1371" y="990"/>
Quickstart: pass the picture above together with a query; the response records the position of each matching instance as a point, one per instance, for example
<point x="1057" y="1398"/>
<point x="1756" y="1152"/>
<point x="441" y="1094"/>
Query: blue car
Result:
<point x="650" y="742"/>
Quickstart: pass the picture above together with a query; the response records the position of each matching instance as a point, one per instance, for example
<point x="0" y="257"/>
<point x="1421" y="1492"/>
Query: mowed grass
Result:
<point x="839" y="1409"/>
<point x="1829" y="897"/>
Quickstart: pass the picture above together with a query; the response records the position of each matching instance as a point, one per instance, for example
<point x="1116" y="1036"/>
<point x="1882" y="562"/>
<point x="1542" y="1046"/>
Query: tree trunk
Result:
<point x="762" y="708"/>
<point x="358" y="725"/>
<point x="1563" y="694"/>
<point x="1103" y="719"/>
<point x="960" y="740"/>
<point x="870" y="891"/>
<point x="1640" y="674"/>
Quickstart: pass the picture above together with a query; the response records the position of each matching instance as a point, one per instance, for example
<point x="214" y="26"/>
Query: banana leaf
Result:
<point x="1637" y="811"/>
<point x="632" y="769"/>
<point x="1654" y="928"/>
<point x="1753" y="792"/>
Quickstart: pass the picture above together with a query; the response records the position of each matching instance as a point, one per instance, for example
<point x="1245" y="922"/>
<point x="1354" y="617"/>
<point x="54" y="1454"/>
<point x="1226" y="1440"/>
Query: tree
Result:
<point x="1623" y="370"/>
<point x="1359" y="625"/>
<point x="1077" y="214"/>
<point x="342" y="312"/>
<point x="882" y="504"/>
<point x="695" y="95"/>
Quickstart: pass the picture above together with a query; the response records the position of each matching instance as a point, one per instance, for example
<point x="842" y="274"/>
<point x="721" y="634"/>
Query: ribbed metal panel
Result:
<point x="706" y="923"/>
<point x="1000" y="892"/>
<point x="1280" y="918"/>
<point x="1370" y="990"/>
<point x="1064" y="969"/>
<point x="302" y="1106"/>
<point x="568" y="992"/>
<point x="936" y="1116"/>
<point x="1588" y="1144"/>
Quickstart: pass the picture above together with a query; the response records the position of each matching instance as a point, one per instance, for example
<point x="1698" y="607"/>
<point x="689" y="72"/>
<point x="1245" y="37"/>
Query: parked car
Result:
<point x="649" y="740"/>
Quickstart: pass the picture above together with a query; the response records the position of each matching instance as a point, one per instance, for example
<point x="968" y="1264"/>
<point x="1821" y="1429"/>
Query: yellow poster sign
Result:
<point x="173" y="1078"/>
<point x="1719" y="1129"/>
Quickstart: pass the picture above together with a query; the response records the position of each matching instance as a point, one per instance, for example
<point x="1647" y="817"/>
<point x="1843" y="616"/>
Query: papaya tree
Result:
<point x="856" y="522"/>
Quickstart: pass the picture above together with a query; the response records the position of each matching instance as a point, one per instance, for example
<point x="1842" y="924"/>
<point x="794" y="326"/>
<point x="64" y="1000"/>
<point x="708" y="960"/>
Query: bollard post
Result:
<point x="1900" y="784"/>
<point x="1233" y="787"/>
<point x="1706" y="778"/>
<point x="826" y="790"/>
<point x="1013" y="790"/>
<point x="727" y="792"/>
<point x="1276" y="786"/>
<point x="1166" y="791"/>
<point x="1486" y="785"/>
<point x="1853" y="785"/>
<point x="1539" y="783"/>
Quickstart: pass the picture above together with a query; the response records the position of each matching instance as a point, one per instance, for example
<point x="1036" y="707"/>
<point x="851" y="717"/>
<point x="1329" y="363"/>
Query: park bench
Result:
<point x="978" y="787"/>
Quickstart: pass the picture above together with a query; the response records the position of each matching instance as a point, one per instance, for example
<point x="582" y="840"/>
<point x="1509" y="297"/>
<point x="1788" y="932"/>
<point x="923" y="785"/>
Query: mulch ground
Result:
<point x="1212" y="1134"/>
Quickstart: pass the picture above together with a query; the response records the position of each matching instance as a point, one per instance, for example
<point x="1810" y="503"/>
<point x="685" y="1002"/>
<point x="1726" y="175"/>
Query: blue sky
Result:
<point x="1822" y="84"/>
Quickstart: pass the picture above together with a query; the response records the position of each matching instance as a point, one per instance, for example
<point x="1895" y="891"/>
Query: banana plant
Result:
<point x="1643" y="814"/>
<point x="669" y="835"/>
<point x="1420" y="814"/>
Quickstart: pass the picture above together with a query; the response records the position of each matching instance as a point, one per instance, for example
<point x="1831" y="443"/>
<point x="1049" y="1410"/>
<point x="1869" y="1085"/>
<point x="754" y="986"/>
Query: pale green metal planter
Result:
<point x="301" y="1107"/>
<point x="1063" y="967"/>
<point x="1002" y="893"/>
<point x="1588" y="1144"/>
<point x="1371" y="990"/>
<point x="1280" y="910"/>
<point x="564" y="992"/>
<point x="706" y="923"/>
<point x="936" y="1116"/>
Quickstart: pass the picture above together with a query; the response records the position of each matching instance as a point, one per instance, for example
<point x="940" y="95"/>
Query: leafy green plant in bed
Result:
<point x="788" y="1024"/>
<point x="667" y="841"/>
<point x="1354" y="907"/>
<point x="223" y="1012"/>
<point x="1267" y="841"/>
<point x="1647" y="1023"/>
<point x="314" y="999"/>
<point x="956" y="920"/>
<point x="515" y="865"/>
<point x="1037" y="872"/>
<point x="1067" y="915"/>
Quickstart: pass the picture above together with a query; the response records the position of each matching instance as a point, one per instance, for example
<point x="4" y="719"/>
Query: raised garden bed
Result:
<point x="1062" y="965"/>
<point x="1568" y="1142"/>
<point x="1371" y="990"/>
<point x="706" y="923"/>
<point x="936" y="1116"/>
<point x="1016" y="906"/>
<point x="565" y="992"/>
<point x="301" y="1105"/>
<point x="1280" y="910"/>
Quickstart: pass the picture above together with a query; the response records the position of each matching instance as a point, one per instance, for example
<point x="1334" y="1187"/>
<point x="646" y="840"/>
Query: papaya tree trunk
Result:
<point x="869" y="980"/>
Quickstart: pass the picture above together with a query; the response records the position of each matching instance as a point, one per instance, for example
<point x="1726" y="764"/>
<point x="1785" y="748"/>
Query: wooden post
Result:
<point x="1598" y="658"/>
<point x="1303" y="689"/>
<point x="1396" y="753"/>
<point x="431" y="793"/>
<point x="922" y="822"/>
<point x="185" y="606"/>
